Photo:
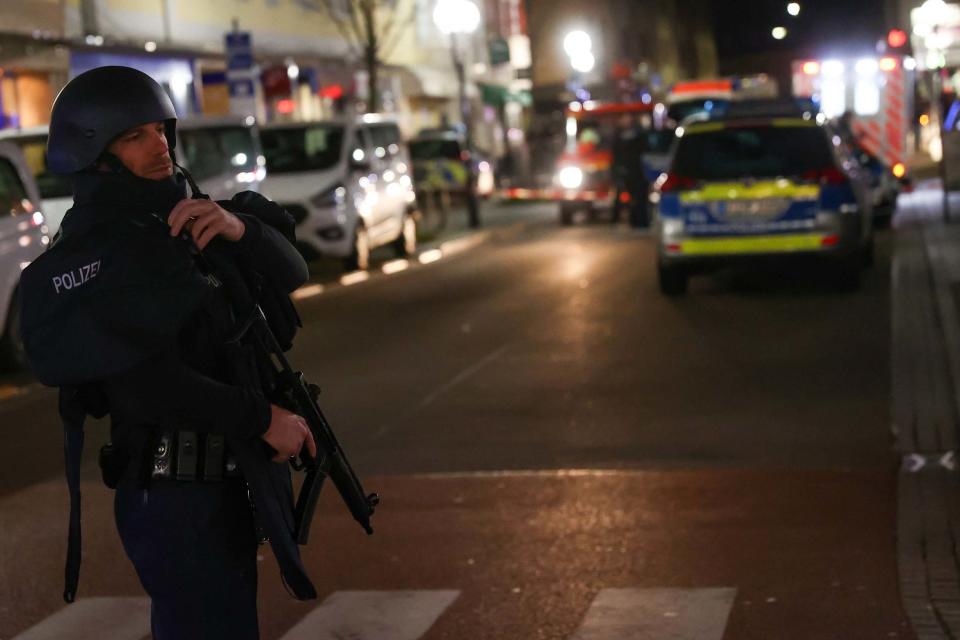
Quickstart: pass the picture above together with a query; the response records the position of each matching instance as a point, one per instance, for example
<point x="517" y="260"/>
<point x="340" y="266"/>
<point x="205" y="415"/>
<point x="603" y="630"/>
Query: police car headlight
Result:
<point x="570" y="177"/>
<point x="671" y="226"/>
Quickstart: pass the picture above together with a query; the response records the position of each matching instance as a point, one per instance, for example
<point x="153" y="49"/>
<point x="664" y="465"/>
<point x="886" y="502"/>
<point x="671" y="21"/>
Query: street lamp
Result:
<point x="793" y="8"/>
<point x="577" y="42"/>
<point x="453" y="18"/>
<point x="579" y="48"/>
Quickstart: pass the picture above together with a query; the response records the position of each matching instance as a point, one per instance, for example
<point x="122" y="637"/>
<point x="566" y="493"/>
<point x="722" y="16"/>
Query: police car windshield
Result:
<point x="50" y="185"/>
<point x="435" y="150"/>
<point x="211" y="151"/>
<point x="309" y="148"/>
<point x="679" y="111"/>
<point x="754" y="151"/>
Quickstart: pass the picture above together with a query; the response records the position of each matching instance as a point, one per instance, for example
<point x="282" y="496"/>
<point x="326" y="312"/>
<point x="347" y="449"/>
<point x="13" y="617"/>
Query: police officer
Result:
<point x="134" y="310"/>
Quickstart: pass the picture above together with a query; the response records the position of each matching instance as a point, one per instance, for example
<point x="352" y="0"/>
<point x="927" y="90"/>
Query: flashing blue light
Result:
<point x="708" y="105"/>
<point x="950" y="122"/>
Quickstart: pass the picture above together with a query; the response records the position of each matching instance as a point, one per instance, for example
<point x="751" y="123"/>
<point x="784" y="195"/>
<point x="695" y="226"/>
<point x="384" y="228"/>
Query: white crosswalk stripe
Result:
<point x="657" y="614"/>
<point x="373" y="615"/>
<point x="614" y="614"/>
<point x="100" y="618"/>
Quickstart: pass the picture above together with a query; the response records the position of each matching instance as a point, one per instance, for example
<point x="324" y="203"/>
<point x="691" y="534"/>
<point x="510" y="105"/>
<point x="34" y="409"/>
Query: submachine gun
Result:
<point x="299" y="396"/>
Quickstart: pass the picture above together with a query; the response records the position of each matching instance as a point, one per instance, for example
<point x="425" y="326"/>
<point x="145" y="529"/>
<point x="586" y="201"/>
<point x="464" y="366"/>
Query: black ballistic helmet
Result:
<point x="96" y="107"/>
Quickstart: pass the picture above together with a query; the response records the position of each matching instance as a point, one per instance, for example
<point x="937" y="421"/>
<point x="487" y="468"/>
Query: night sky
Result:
<point x="824" y="27"/>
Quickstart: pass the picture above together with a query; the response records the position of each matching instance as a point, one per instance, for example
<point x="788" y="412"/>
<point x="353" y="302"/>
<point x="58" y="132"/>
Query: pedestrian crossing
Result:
<point x="614" y="614"/>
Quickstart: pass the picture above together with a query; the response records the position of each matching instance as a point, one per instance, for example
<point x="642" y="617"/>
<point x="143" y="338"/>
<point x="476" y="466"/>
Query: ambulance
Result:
<point x="873" y="98"/>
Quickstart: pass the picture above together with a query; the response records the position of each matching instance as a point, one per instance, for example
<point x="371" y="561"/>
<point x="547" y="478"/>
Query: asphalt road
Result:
<point x="561" y="451"/>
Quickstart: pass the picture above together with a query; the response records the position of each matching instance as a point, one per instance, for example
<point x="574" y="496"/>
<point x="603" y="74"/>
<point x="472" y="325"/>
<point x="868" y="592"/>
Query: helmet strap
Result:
<point x="113" y="163"/>
<point x="196" y="192"/>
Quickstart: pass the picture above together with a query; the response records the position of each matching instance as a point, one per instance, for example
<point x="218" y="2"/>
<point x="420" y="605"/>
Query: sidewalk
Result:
<point x="925" y="368"/>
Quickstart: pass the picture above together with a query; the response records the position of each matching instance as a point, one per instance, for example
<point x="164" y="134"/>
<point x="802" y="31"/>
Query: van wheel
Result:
<point x="672" y="280"/>
<point x="13" y="357"/>
<point x="406" y="243"/>
<point x="359" y="258"/>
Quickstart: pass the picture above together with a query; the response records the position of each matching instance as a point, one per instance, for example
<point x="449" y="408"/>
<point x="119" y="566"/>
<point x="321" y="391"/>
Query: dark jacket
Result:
<point x="126" y="319"/>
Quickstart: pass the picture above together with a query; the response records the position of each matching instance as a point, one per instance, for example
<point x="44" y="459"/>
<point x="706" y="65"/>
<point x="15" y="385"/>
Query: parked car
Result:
<point x="55" y="190"/>
<point x="222" y="153"/>
<point x="751" y="188"/>
<point x="23" y="236"/>
<point x="441" y="162"/>
<point x="347" y="185"/>
<point x="885" y="184"/>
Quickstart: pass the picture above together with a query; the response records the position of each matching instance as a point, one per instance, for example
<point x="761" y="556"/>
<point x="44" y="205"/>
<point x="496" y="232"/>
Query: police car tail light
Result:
<point x="673" y="182"/>
<point x="829" y="175"/>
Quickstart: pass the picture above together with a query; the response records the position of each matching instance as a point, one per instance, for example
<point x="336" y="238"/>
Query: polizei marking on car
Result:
<point x="76" y="277"/>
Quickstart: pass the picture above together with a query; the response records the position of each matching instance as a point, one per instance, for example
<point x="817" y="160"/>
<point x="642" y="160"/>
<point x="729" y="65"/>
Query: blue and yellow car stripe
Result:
<point x="782" y="188"/>
<point x="734" y="245"/>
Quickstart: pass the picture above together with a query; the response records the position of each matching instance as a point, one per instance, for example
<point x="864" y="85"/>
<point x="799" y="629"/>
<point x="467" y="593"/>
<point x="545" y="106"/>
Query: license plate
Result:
<point x="759" y="209"/>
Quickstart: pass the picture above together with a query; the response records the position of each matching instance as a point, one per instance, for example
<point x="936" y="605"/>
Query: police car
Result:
<point x="760" y="182"/>
<point x="23" y="236"/>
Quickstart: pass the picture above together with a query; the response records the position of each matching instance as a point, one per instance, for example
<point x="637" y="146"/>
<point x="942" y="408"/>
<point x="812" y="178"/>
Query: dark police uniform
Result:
<point x="128" y="320"/>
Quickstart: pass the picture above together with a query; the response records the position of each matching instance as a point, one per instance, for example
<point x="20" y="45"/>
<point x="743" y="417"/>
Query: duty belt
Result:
<point x="189" y="456"/>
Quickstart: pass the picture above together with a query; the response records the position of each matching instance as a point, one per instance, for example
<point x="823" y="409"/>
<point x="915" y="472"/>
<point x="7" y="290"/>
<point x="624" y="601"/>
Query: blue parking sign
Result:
<point x="239" y="50"/>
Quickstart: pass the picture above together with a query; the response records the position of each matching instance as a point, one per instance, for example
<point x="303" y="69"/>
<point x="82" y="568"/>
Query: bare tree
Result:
<point x="372" y="29"/>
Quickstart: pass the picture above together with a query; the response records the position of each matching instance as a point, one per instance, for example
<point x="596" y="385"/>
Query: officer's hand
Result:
<point x="205" y="220"/>
<point x="287" y="434"/>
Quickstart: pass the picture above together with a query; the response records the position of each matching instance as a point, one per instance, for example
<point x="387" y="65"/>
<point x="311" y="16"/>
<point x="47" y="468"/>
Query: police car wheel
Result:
<point x="848" y="273"/>
<point x="359" y="258"/>
<point x="13" y="357"/>
<point x="673" y="280"/>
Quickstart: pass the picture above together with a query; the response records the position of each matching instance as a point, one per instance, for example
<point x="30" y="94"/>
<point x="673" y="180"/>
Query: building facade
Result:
<point x="302" y="59"/>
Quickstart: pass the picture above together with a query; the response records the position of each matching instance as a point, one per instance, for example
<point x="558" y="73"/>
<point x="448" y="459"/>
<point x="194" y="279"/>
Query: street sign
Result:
<point x="242" y="77"/>
<point x="239" y="50"/>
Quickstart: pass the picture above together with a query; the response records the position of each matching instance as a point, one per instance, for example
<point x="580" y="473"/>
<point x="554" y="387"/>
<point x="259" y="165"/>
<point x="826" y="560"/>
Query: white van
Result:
<point x="23" y="236"/>
<point x="347" y="185"/>
<point x="222" y="153"/>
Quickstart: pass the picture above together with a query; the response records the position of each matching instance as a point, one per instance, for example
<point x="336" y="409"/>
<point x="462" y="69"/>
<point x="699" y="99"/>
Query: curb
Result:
<point x="925" y="381"/>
